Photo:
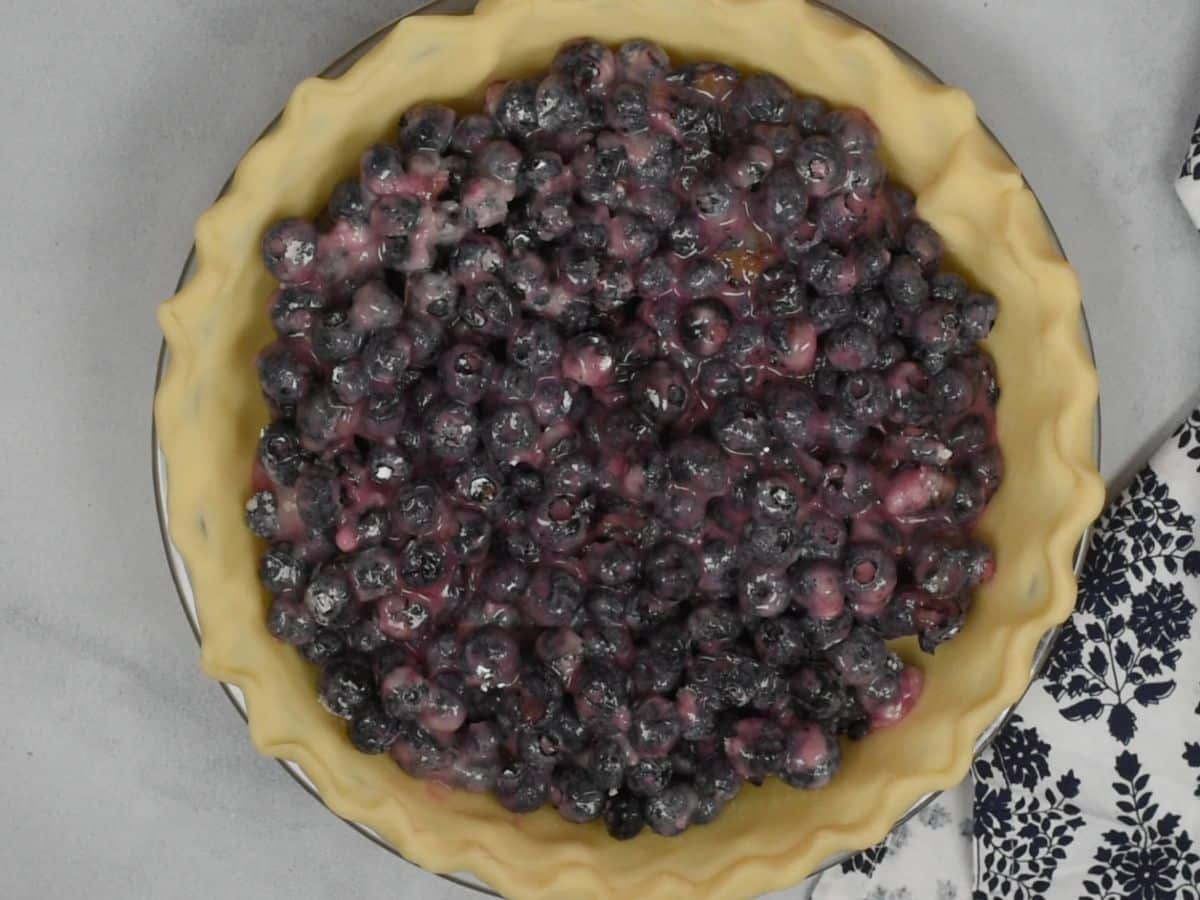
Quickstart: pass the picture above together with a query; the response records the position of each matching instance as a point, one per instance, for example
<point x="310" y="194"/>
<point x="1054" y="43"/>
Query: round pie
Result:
<point x="557" y="457"/>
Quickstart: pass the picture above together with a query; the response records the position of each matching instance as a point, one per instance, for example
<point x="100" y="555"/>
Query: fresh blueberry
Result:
<point x="374" y="573"/>
<point x="648" y="777"/>
<point x="905" y="284"/>
<point x="427" y="127"/>
<point x="262" y="515"/>
<point x="577" y="796"/>
<point x="349" y="203"/>
<point x="289" y="620"/>
<point x="521" y="787"/>
<point x="328" y="596"/>
<point x="588" y="64"/>
<point x="282" y="570"/>
<point x="756" y="749"/>
<point x="345" y="687"/>
<point x="978" y="316"/>
<point x="740" y="426"/>
<point x="642" y="62"/>
<point x="284" y="379"/>
<point x="623" y="817"/>
<point x="289" y="251"/>
<point x="670" y="812"/>
<point x="780" y="641"/>
<point x="372" y="730"/>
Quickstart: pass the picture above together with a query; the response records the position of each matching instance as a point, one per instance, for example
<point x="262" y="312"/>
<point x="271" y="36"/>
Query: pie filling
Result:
<point x="615" y="431"/>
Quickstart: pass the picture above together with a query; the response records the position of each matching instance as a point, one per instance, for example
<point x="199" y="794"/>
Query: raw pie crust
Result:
<point x="209" y="413"/>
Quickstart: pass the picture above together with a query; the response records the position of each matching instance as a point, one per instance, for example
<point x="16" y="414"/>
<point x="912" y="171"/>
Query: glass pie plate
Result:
<point x="184" y="585"/>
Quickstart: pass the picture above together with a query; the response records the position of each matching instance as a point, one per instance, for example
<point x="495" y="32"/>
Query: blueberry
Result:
<point x="905" y="284"/>
<point x="812" y="757"/>
<point x="924" y="245"/>
<point x="537" y="170"/>
<point x="764" y="99"/>
<point x="660" y="393"/>
<point x="295" y="311"/>
<point x="381" y="169"/>
<point x="289" y="621"/>
<point x="289" y="251"/>
<point x="775" y="499"/>
<point x="453" y="430"/>
<point x="387" y="355"/>
<point x="780" y="642"/>
<point x="284" y="379"/>
<point x="685" y="236"/>
<point x="576" y="795"/>
<point x="472" y="132"/>
<point x="282" y="570"/>
<point x="374" y="573"/>
<point x="559" y="103"/>
<point x="281" y="453"/>
<point x="655" y="727"/>
<point x="552" y="598"/>
<point x="325" y="646"/>
<point x="648" y="777"/>
<point x="671" y="570"/>
<point x="349" y="203"/>
<point x="978" y="316"/>
<point x="763" y="592"/>
<point x="782" y="201"/>
<point x="601" y="696"/>
<point x="821" y="537"/>
<point x="531" y="702"/>
<point x="870" y="577"/>
<point x="492" y="657"/>
<point x="623" y="816"/>
<point x="516" y="108"/>
<point x="864" y="174"/>
<point x="859" y="658"/>
<point x="421" y="563"/>
<point x="642" y="62"/>
<point x="328" y="596"/>
<point x="780" y="292"/>
<point x="740" y="426"/>
<point x="262" y="515"/>
<point x="397" y="215"/>
<point x="521" y="787"/>
<point x="670" y="812"/>
<point x="490" y="310"/>
<point x="388" y="465"/>
<point x="344" y="687"/>
<point x="372" y="730"/>
<point x="588" y="64"/>
<point x="821" y="165"/>
<point x="404" y="692"/>
<point x="427" y="127"/>
<point x="713" y="198"/>
<point x="756" y="749"/>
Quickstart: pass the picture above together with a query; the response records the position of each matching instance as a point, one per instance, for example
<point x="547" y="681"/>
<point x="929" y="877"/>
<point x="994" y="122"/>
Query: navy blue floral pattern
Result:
<point x="1150" y="857"/>
<point x="867" y="861"/>
<point x="1187" y="436"/>
<point x="1116" y="655"/>
<point x="1024" y="819"/>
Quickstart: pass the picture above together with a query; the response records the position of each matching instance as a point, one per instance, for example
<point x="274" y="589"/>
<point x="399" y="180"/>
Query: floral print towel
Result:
<point x="1093" y="790"/>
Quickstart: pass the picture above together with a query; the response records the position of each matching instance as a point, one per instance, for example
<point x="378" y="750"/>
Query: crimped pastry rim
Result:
<point x="207" y="407"/>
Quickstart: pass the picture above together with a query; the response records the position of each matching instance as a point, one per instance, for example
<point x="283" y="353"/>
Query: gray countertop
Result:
<point x="125" y="772"/>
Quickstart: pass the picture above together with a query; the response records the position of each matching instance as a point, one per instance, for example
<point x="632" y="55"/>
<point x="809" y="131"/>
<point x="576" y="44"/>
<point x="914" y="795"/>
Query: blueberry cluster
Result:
<point x="614" y="432"/>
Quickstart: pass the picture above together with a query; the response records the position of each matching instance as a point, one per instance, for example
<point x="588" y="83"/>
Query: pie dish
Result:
<point x="208" y="411"/>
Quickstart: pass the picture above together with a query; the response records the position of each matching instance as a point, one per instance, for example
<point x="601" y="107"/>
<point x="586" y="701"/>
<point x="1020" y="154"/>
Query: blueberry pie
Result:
<point x="657" y="426"/>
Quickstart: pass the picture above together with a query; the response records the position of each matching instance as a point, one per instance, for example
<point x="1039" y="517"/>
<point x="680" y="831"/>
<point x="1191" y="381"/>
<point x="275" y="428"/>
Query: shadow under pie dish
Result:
<point x="209" y="414"/>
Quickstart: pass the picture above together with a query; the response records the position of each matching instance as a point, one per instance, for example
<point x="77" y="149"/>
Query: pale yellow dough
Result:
<point x="209" y="412"/>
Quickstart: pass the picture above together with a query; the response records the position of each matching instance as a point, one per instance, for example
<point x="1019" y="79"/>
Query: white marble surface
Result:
<point x="124" y="772"/>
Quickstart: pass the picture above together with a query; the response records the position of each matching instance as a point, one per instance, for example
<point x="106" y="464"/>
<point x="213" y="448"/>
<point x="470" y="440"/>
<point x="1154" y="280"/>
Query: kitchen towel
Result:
<point x="1092" y="790"/>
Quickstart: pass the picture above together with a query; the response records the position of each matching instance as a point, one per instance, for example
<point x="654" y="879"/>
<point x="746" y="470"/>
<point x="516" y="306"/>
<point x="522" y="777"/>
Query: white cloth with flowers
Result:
<point x="1093" y="790"/>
